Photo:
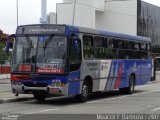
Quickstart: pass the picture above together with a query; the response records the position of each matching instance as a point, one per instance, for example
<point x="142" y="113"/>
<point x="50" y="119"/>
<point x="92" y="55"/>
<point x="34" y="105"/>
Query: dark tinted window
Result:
<point x="136" y="45"/>
<point x="128" y="44"/>
<point x="143" y="46"/>
<point x="148" y="47"/>
<point x="75" y="54"/>
<point x="88" y="49"/>
<point x="88" y="40"/>
<point x="99" y="41"/>
<point x="119" y="43"/>
<point x="111" y="43"/>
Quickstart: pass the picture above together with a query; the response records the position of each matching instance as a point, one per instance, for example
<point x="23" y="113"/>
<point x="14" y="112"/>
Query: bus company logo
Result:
<point x="92" y="64"/>
<point x="135" y="67"/>
<point x="104" y="67"/>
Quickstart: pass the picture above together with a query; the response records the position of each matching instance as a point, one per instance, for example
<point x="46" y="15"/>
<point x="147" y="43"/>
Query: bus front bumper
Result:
<point x="49" y="90"/>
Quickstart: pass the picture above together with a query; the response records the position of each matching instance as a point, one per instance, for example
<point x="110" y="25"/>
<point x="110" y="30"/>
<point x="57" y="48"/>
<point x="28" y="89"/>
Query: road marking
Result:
<point x="108" y="99"/>
<point x="156" y="109"/>
<point x="47" y="110"/>
<point x="42" y="111"/>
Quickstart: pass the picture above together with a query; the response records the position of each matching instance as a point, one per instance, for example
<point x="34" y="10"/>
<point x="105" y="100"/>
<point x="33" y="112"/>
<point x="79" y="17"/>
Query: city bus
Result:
<point x="63" y="60"/>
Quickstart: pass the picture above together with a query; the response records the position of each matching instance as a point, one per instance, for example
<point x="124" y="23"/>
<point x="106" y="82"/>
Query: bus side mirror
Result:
<point x="9" y="44"/>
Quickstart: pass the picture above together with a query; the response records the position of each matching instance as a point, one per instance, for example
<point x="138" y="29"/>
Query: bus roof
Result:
<point x="77" y="29"/>
<point x="108" y="33"/>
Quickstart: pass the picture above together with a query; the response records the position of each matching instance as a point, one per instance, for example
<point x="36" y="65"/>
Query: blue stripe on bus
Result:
<point x="74" y="83"/>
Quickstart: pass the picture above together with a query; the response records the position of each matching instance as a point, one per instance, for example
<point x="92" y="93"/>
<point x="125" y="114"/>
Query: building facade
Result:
<point x="133" y="17"/>
<point x="52" y="18"/>
<point x="148" y="21"/>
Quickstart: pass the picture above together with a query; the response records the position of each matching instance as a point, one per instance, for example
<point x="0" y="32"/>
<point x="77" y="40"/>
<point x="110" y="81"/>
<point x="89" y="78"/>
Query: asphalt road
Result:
<point x="146" y="100"/>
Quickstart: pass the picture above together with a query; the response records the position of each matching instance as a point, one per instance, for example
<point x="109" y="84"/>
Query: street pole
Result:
<point x="74" y="8"/>
<point x="17" y="11"/>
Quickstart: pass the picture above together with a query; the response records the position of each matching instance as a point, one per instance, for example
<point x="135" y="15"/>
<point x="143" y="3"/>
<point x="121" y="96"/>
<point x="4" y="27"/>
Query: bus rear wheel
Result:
<point x="83" y="97"/>
<point x="40" y="98"/>
<point x="131" y="88"/>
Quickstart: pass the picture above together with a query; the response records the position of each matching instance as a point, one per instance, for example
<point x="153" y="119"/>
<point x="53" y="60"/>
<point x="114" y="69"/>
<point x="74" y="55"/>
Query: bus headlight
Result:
<point x="53" y="84"/>
<point x="14" y="82"/>
<point x="19" y="83"/>
<point x="58" y="84"/>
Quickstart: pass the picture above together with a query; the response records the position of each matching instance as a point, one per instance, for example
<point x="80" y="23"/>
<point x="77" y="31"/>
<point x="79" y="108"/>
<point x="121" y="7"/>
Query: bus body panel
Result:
<point x="74" y="83"/>
<point x="90" y="68"/>
<point x="140" y="68"/>
<point x="108" y="75"/>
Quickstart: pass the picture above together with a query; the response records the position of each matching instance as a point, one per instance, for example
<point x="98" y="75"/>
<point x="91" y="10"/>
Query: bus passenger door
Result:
<point x="75" y="59"/>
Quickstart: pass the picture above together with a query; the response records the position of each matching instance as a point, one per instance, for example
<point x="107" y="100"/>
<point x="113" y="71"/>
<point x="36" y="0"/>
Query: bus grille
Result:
<point x="36" y="84"/>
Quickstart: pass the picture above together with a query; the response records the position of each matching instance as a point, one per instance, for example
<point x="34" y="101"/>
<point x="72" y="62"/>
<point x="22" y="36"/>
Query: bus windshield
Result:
<point x="42" y="54"/>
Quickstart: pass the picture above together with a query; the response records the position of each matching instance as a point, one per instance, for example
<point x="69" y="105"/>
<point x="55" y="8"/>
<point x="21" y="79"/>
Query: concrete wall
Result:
<point x="96" y="4"/>
<point x="52" y="18"/>
<point x="84" y="15"/>
<point x="114" y="15"/>
<point x="118" y="16"/>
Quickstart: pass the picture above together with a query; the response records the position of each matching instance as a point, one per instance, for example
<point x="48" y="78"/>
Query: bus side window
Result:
<point x="119" y="43"/>
<point x="75" y="54"/>
<point x="88" y="48"/>
<point x="99" y="41"/>
<point x="110" y="52"/>
<point x="111" y="43"/>
<point x="143" y="46"/>
<point x="106" y="42"/>
<point x="136" y="46"/>
<point x="99" y="44"/>
<point x="128" y="45"/>
<point x="148" y="47"/>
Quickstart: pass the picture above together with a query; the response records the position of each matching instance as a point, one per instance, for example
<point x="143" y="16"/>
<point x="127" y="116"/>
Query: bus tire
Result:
<point x="40" y="98"/>
<point x="130" y="89"/>
<point x="83" y="97"/>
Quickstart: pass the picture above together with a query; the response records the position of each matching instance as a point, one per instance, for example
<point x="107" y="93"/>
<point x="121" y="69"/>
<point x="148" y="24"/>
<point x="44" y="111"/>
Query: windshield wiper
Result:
<point x="29" y="41"/>
<point x="47" y="42"/>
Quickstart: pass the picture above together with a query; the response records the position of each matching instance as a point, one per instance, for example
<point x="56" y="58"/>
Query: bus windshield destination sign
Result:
<point x="41" y="29"/>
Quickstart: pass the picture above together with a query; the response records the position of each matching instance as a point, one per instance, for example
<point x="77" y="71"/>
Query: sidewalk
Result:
<point x="6" y="95"/>
<point x="5" y="81"/>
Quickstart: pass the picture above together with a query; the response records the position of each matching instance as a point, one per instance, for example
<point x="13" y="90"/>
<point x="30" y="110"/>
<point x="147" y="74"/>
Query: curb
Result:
<point x="9" y="100"/>
<point x="152" y="82"/>
<point x="5" y="82"/>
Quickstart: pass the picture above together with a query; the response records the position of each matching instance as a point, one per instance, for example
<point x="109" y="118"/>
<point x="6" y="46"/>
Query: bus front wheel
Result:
<point x="40" y="98"/>
<point x="83" y="97"/>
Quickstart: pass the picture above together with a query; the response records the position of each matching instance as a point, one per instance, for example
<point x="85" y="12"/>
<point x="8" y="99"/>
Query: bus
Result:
<point x="63" y="60"/>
